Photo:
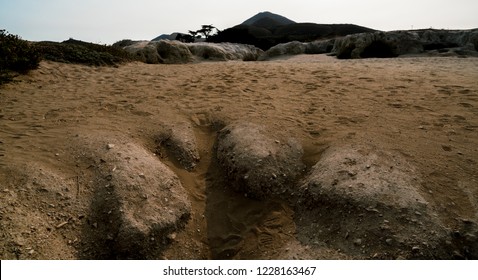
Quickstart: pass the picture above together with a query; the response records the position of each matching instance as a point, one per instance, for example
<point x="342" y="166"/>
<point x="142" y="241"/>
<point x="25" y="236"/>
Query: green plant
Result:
<point x="16" y="55"/>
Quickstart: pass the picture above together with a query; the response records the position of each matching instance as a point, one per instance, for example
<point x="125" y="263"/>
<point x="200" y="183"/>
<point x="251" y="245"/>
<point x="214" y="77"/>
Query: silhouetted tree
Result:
<point x="206" y="30"/>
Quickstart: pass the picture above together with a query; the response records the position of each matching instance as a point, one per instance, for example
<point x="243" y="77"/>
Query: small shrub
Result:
<point x="16" y="55"/>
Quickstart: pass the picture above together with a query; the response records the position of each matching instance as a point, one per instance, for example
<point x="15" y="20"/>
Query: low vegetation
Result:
<point x="16" y="56"/>
<point x="75" y="51"/>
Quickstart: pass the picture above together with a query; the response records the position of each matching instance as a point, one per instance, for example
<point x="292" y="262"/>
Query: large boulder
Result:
<point x="258" y="163"/>
<point x="368" y="202"/>
<point x="138" y="200"/>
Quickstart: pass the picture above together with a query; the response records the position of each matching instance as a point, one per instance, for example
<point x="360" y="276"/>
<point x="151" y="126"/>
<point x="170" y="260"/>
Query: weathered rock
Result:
<point x="290" y="48"/>
<point x="257" y="163"/>
<point x="371" y="194"/>
<point x="138" y="200"/>
<point x="164" y="51"/>
<point x="319" y="46"/>
<point x="175" y="52"/>
<point x="378" y="44"/>
<point x="296" y="47"/>
<point x="224" y="51"/>
<point x="180" y="141"/>
<point x="395" y="43"/>
<point x="144" y="51"/>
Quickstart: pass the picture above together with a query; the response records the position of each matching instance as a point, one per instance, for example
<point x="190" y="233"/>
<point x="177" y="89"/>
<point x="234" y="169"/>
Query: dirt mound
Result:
<point x="64" y="128"/>
<point x="39" y="211"/>
<point x="138" y="200"/>
<point x="259" y="164"/>
<point x="180" y="142"/>
<point x="357" y="197"/>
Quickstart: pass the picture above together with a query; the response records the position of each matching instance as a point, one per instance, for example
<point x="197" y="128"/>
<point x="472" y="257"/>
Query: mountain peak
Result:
<point x="261" y="18"/>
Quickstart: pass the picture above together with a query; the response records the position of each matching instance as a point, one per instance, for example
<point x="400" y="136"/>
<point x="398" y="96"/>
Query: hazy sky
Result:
<point x="108" y="21"/>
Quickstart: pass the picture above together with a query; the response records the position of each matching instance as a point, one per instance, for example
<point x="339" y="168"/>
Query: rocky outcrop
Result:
<point x="319" y="46"/>
<point x="290" y="48"/>
<point x="175" y="52"/>
<point x="257" y="163"/>
<point x="296" y="47"/>
<point x="396" y="43"/>
<point x="224" y="51"/>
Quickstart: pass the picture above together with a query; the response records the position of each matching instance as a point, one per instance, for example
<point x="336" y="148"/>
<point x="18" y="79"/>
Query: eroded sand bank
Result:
<point x="419" y="110"/>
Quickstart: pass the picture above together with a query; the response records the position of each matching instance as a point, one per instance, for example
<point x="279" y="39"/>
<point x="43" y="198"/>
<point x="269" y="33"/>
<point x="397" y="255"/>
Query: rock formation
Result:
<point x="175" y="52"/>
<point x="296" y="47"/>
<point x="395" y="43"/>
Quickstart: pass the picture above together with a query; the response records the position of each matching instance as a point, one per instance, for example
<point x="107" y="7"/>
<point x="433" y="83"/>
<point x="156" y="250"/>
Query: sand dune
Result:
<point x="421" y="110"/>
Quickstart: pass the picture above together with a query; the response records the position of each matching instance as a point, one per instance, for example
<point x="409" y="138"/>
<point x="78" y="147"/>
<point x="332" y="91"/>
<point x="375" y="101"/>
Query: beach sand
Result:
<point x="424" y="109"/>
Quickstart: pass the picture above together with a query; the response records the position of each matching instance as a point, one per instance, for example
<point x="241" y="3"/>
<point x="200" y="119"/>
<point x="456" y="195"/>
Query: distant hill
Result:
<point x="266" y="30"/>
<point x="171" y="36"/>
<point x="267" y="19"/>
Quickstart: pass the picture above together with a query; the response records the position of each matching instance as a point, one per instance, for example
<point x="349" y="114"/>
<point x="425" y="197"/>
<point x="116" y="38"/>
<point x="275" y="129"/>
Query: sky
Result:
<point x="108" y="21"/>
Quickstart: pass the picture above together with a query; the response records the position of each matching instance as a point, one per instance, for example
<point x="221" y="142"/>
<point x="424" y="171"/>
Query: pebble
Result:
<point x="415" y="249"/>
<point x="358" y="242"/>
<point x="389" y="241"/>
<point x="110" y="146"/>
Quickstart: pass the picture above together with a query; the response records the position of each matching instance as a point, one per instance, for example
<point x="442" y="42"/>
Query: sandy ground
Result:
<point x="423" y="108"/>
